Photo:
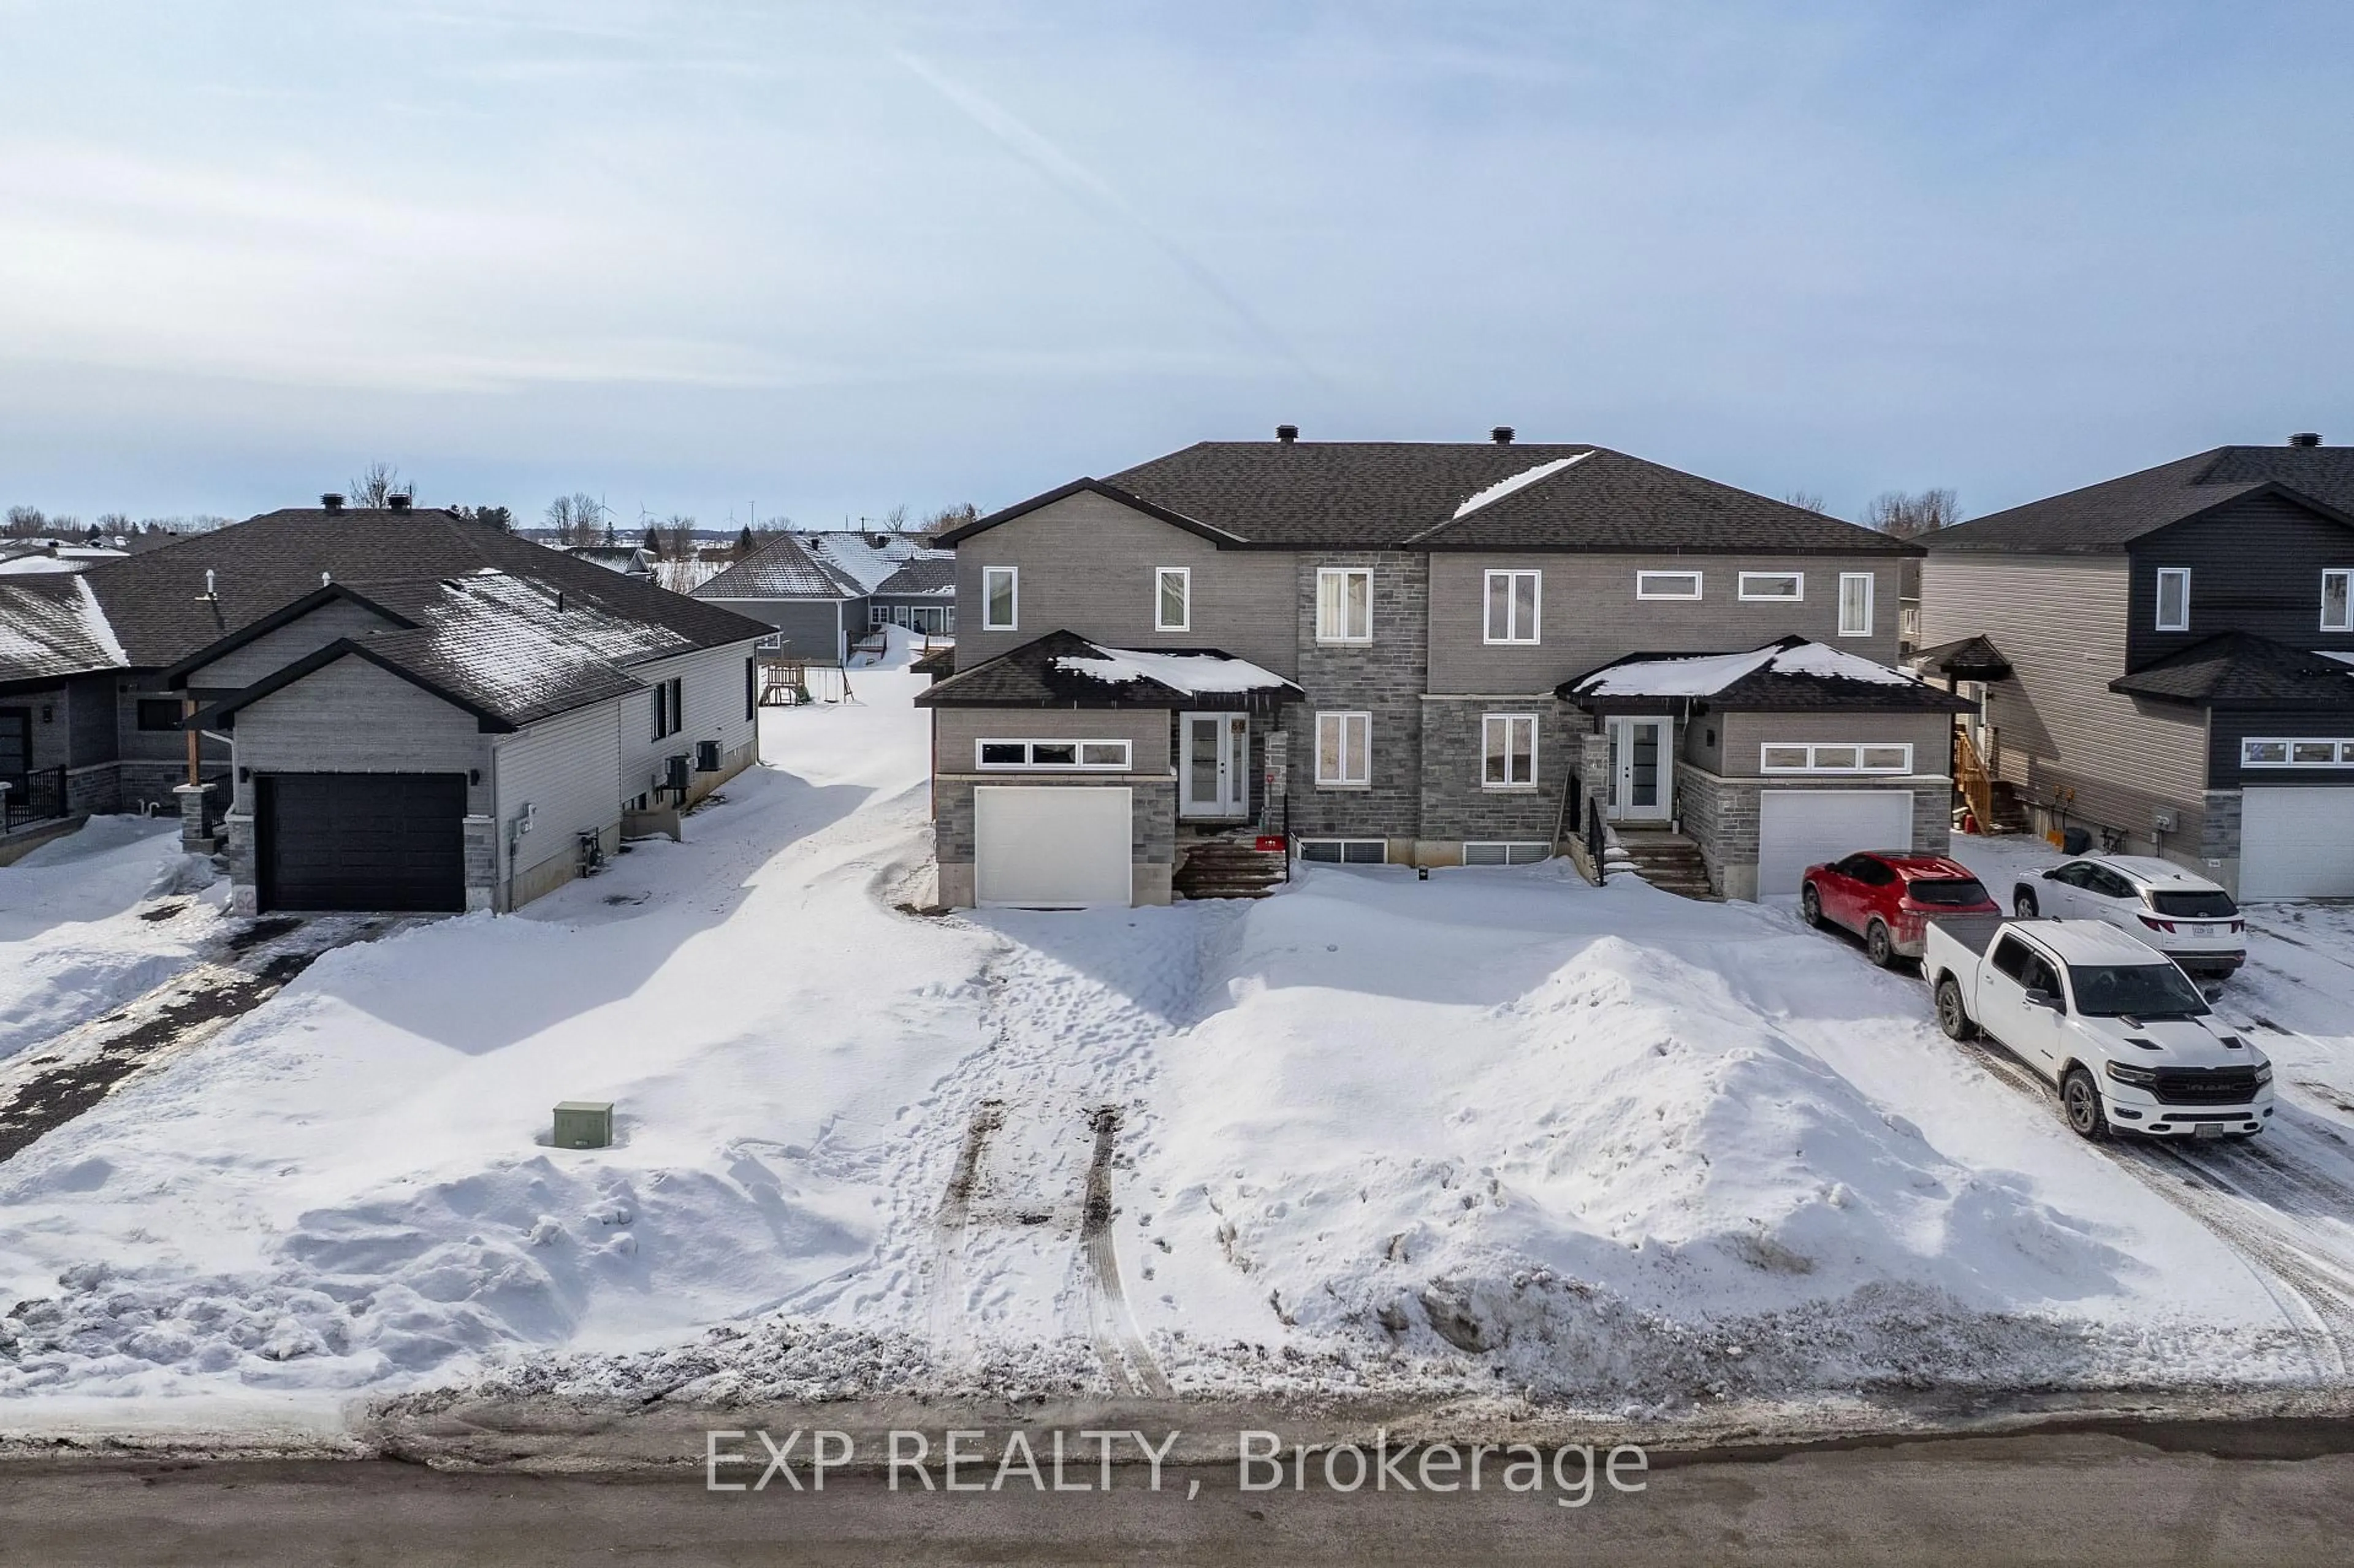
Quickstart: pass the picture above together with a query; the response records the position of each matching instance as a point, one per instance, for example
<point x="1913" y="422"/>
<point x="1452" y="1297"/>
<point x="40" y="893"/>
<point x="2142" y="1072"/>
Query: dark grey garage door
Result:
<point x="361" y="840"/>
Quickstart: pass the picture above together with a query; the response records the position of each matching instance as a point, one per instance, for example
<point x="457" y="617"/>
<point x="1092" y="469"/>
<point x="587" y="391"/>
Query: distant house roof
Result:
<point x="634" y="559"/>
<point x="1064" y="670"/>
<point x="932" y="576"/>
<point x="1965" y="659"/>
<point x="2111" y="514"/>
<point x="867" y="557"/>
<point x="2239" y="670"/>
<point x="51" y="626"/>
<point x="784" y="567"/>
<point x="1793" y="675"/>
<point x="1455" y="496"/>
<point x="158" y="604"/>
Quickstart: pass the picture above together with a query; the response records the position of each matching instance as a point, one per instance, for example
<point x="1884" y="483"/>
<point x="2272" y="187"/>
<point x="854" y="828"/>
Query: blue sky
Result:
<point x="823" y="259"/>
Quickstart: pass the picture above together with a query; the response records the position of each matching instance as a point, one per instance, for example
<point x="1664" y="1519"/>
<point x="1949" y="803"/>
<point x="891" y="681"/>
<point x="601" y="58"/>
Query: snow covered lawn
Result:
<point x="1496" y="1131"/>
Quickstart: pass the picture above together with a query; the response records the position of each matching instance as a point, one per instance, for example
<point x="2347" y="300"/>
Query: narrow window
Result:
<point x="1172" y="598"/>
<point x="1509" y="742"/>
<point x="2174" y="599"/>
<point x="1667" y="584"/>
<point x="1344" y="604"/>
<point x="1788" y="586"/>
<point x="2337" y="600"/>
<point x="1512" y="606"/>
<point x="1344" y="750"/>
<point x="1855" y="604"/>
<point x="1001" y="597"/>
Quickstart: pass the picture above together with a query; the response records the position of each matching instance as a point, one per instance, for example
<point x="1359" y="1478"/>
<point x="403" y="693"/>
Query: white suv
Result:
<point x="2184" y="916"/>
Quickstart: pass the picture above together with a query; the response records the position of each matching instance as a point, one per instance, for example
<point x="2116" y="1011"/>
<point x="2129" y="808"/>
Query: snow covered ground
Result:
<point x="1496" y="1131"/>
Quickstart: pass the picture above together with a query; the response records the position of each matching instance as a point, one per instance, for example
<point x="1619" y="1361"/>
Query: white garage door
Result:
<point x="2297" y="843"/>
<point x="1039" y="845"/>
<point x="1800" y="828"/>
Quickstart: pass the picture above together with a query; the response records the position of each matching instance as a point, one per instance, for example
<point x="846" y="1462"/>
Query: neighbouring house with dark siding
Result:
<point x="393" y="709"/>
<point x="2173" y="660"/>
<point x="1377" y="649"/>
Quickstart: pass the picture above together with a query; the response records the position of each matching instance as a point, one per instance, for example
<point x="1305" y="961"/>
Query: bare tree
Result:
<point x="895" y="519"/>
<point x="580" y="519"/>
<point x="378" y="483"/>
<point x="677" y="534"/>
<point x="1808" y="499"/>
<point x="1908" y="516"/>
<point x="25" y="522"/>
<point x="948" y="517"/>
<point x="114" y="523"/>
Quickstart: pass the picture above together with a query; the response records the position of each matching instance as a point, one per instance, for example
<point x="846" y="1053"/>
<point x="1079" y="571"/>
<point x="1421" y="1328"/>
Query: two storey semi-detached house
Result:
<point x="2169" y="657"/>
<point x="1396" y="652"/>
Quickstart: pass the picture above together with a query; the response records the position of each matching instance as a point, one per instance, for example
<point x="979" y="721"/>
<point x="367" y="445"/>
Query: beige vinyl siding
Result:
<point x="1590" y="614"/>
<point x="564" y="768"/>
<point x="710" y="694"/>
<point x="1087" y="565"/>
<point x="352" y="718"/>
<point x="2061" y="622"/>
<point x="956" y="730"/>
<point x="272" y="651"/>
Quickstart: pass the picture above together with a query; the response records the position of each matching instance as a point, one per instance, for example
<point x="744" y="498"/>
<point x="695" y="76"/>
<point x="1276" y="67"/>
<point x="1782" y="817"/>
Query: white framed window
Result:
<point x="1001" y="598"/>
<point x="2290" y="752"/>
<point x="1346" y="851"/>
<point x="996" y="756"/>
<point x="1344" y="751"/>
<point x="1344" y="604"/>
<point x="1833" y="757"/>
<point x="1667" y="584"/>
<point x="2174" y="599"/>
<point x="1172" y="598"/>
<point x="2338" y="599"/>
<point x="1788" y="587"/>
<point x="1855" y="604"/>
<point x="1508" y="747"/>
<point x="1506" y="854"/>
<point x="1515" y="602"/>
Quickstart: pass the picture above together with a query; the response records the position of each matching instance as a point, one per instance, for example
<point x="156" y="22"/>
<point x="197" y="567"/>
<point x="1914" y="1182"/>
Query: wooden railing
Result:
<point x="1975" y="783"/>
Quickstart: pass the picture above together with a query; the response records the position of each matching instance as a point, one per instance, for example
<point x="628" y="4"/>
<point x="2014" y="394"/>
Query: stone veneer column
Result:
<point x="193" y="837"/>
<point x="481" y="863"/>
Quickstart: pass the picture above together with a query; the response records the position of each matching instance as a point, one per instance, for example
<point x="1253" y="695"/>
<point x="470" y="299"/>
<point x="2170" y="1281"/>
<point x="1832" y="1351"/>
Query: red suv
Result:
<point x="1888" y="899"/>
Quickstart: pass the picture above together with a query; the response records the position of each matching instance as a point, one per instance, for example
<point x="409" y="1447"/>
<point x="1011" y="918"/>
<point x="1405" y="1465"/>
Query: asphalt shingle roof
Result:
<point x="1064" y="670"/>
<point x="2111" y="514"/>
<point x="1409" y="494"/>
<point x="1791" y="674"/>
<point x="157" y="606"/>
<point x="926" y="575"/>
<point x="2238" y="669"/>
<point x="784" y="567"/>
<point x="50" y="625"/>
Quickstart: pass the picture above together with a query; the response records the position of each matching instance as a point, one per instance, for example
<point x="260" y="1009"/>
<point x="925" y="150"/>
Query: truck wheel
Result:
<point x="1878" y="948"/>
<point x="2023" y="904"/>
<point x="2081" y="1098"/>
<point x="1951" y="1016"/>
<point x="1811" y="904"/>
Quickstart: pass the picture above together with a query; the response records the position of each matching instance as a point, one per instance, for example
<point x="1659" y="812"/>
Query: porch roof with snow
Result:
<point x="1795" y="675"/>
<point x="1064" y="670"/>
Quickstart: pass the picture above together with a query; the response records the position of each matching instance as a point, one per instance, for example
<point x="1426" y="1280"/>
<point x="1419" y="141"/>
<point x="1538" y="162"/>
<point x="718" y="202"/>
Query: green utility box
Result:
<point x="584" y="1124"/>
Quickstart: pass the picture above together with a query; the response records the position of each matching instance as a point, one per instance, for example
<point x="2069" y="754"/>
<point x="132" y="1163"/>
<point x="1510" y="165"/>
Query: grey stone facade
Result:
<point x="1385" y="678"/>
<point x="1456" y="803"/>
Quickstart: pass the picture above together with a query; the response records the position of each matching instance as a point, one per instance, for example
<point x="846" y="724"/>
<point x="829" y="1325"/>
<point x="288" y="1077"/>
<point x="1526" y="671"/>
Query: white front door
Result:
<point x="1213" y="764"/>
<point x="1642" y="769"/>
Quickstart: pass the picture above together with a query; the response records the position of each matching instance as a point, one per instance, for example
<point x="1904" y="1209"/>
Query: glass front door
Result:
<point x="1642" y="769"/>
<point x="1213" y="759"/>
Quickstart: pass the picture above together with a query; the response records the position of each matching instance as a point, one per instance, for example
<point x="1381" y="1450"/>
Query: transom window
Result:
<point x="1344" y="750"/>
<point x="1667" y="584"/>
<point x="1109" y="756"/>
<point x="1855" y="604"/>
<point x="1172" y="598"/>
<point x="2293" y="753"/>
<point x="2174" y="599"/>
<point x="1790" y="587"/>
<point x="1001" y="598"/>
<point x="1509" y="745"/>
<point x="1513" y="603"/>
<point x="1344" y="604"/>
<point x="2338" y="599"/>
<point x="1835" y="757"/>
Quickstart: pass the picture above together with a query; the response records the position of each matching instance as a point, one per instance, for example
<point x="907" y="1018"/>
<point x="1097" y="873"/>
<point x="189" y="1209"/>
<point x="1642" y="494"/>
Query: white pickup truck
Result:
<point x="2123" y="1032"/>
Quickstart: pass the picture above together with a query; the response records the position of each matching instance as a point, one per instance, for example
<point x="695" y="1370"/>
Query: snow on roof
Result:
<point x="1521" y="480"/>
<point x="2341" y="658"/>
<point x="40" y="563"/>
<point x="50" y="628"/>
<point x="860" y="557"/>
<point x="1706" y="675"/>
<point x="1199" y="673"/>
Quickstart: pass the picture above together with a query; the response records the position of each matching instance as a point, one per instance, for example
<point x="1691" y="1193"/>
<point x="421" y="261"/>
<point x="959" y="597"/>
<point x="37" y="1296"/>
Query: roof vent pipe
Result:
<point x="1287" y="434"/>
<point x="396" y="502"/>
<point x="331" y="501"/>
<point x="209" y="584"/>
<point x="2305" y="439"/>
<point x="1501" y="435"/>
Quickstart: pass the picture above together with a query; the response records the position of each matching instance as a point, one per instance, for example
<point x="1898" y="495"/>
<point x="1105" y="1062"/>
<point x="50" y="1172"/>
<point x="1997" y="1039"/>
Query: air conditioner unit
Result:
<point x="584" y="1124"/>
<point x="675" y="774"/>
